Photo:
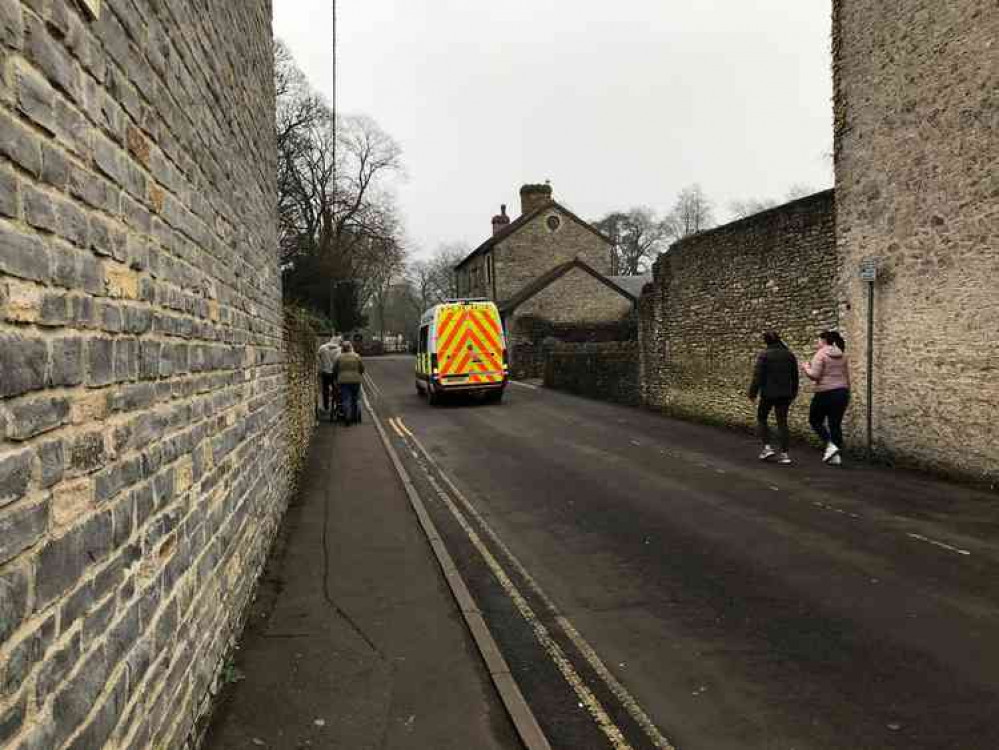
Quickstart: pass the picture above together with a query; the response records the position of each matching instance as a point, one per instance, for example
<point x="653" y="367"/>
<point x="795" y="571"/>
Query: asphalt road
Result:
<point x="651" y="584"/>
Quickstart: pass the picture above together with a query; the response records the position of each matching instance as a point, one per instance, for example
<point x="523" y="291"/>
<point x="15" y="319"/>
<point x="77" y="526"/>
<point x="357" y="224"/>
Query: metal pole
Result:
<point x="870" y="369"/>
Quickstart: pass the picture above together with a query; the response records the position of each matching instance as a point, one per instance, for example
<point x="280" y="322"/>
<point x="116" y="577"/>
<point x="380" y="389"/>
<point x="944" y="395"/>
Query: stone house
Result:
<point x="548" y="272"/>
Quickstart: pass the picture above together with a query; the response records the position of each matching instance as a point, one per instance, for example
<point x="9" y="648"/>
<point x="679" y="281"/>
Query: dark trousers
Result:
<point x="327" y="384"/>
<point x="829" y="406"/>
<point x="350" y="393"/>
<point x="780" y="406"/>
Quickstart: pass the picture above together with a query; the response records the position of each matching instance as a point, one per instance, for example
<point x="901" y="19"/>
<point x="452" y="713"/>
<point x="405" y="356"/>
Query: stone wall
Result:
<point x="917" y="185"/>
<point x="713" y="294"/>
<point x="144" y="376"/>
<point x="606" y="370"/>
<point x="530" y="338"/>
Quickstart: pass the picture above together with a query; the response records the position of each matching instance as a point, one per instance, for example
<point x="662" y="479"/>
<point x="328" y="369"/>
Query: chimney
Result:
<point x="533" y="196"/>
<point x="501" y="221"/>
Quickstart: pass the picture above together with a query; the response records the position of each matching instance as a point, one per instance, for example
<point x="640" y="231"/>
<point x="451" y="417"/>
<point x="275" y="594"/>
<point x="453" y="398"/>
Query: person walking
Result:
<point x="328" y="355"/>
<point x="775" y="380"/>
<point x="830" y="371"/>
<point x="348" y="370"/>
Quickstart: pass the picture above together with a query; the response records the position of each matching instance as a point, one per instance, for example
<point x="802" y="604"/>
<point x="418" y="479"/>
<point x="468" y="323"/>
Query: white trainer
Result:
<point x="767" y="452"/>
<point x="831" y="450"/>
<point x="784" y="459"/>
<point x="836" y="460"/>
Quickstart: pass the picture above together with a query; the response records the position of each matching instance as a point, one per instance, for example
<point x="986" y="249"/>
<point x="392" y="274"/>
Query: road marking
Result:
<point x="939" y="544"/>
<point x="513" y="699"/>
<point x="394" y="426"/>
<point x="524" y="385"/>
<point x="625" y="698"/>
<point x="374" y="386"/>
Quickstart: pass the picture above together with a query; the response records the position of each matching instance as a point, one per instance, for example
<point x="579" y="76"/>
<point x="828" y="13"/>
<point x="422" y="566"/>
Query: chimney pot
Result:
<point x="501" y="221"/>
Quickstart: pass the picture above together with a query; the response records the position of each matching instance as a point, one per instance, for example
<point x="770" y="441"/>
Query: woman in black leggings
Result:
<point x="830" y="371"/>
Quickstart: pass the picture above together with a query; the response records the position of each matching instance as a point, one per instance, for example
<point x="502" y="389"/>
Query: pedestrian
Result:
<point x="775" y="380"/>
<point x="348" y="370"/>
<point x="328" y="355"/>
<point x="830" y="371"/>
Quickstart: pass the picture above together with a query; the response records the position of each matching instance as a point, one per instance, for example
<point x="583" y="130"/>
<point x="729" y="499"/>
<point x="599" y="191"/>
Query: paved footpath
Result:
<point x="355" y="640"/>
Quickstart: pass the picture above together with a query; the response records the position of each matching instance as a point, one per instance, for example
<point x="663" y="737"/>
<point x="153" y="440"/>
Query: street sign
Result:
<point x="869" y="269"/>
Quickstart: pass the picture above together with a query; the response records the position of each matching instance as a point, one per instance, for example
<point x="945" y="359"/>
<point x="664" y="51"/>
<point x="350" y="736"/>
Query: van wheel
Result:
<point x="495" y="397"/>
<point x="419" y="391"/>
<point x="433" y="398"/>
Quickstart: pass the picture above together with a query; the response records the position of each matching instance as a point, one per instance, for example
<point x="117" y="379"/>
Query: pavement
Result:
<point x="355" y="640"/>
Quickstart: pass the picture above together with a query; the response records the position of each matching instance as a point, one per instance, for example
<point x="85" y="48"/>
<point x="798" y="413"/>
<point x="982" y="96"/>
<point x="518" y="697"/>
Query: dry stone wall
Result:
<point x="713" y="295"/>
<point x="145" y="436"/>
<point x="602" y="370"/>
<point x="917" y="185"/>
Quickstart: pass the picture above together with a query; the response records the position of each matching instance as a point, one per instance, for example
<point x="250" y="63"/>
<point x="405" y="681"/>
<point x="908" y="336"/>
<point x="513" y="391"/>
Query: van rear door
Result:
<point x="470" y="347"/>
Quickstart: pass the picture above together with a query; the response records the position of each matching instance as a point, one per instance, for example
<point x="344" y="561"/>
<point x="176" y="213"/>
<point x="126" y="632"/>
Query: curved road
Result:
<point x="652" y="585"/>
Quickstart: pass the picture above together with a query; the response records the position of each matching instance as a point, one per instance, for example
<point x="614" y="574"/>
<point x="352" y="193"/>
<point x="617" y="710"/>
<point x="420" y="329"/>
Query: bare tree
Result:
<point x="740" y="209"/>
<point x="637" y="237"/>
<point x="433" y="278"/>
<point x="339" y="221"/>
<point x="691" y="213"/>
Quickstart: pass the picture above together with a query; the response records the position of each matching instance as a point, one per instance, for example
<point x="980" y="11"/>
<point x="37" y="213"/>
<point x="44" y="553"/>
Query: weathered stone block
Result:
<point x="52" y="457"/>
<point x="19" y="144"/>
<point x="24" y="303"/>
<point x="13" y="600"/>
<point x="21" y="527"/>
<point x="71" y="501"/>
<point x="35" y="97"/>
<point x="100" y="362"/>
<point x="23" y="364"/>
<point x="62" y="561"/>
<point x="11" y="24"/>
<point x="23" y="255"/>
<point x="66" y="367"/>
<point x="26" y="419"/>
<point x="10" y="194"/>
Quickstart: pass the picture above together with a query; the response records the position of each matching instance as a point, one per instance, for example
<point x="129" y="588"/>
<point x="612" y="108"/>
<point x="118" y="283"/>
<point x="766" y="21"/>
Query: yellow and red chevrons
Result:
<point x="467" y="333"/>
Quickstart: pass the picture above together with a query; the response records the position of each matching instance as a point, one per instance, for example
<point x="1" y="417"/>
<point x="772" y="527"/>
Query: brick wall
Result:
<point x="714" y="294"/>
<point x="917" y="159"/>
<point x="604" y="370"/>
<point x="144" y="376"/>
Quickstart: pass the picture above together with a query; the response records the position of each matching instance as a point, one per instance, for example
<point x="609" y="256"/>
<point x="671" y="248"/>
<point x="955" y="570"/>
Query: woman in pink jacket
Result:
<point x="830" y="371"/>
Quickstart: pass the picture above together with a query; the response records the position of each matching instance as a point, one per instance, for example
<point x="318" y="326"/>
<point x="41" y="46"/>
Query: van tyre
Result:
<point x="494" y="397"/>
<point x="433" y="398"/>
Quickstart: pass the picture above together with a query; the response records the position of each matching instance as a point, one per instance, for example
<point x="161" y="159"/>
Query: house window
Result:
<point x="553" y="222"/>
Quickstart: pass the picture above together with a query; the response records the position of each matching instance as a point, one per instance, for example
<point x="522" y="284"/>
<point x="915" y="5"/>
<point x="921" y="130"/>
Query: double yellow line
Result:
<point x="551" y="647"/>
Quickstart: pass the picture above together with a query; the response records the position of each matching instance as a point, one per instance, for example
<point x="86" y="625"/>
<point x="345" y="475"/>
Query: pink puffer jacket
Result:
<point x="829" y="369"/>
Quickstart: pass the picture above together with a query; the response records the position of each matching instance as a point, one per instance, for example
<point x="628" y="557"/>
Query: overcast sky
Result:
<point x="617" y="103"/>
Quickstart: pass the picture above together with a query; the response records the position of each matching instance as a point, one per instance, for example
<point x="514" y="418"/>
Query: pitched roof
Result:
<point x="521" y="221"/>
<point x="548" y="278"/>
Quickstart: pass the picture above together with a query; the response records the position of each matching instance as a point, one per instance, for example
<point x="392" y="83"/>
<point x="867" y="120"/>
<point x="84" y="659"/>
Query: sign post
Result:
<point x="869" y="275"/>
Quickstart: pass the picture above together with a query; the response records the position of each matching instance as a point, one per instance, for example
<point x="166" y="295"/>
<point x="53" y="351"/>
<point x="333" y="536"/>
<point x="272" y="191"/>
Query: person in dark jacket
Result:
<point x="775" y="381"/>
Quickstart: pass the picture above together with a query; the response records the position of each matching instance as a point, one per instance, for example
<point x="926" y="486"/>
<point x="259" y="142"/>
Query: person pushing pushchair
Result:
<point x="348" y="371"/>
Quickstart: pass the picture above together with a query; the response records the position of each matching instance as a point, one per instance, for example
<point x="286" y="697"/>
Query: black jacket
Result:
<point x="775" y="375"/>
